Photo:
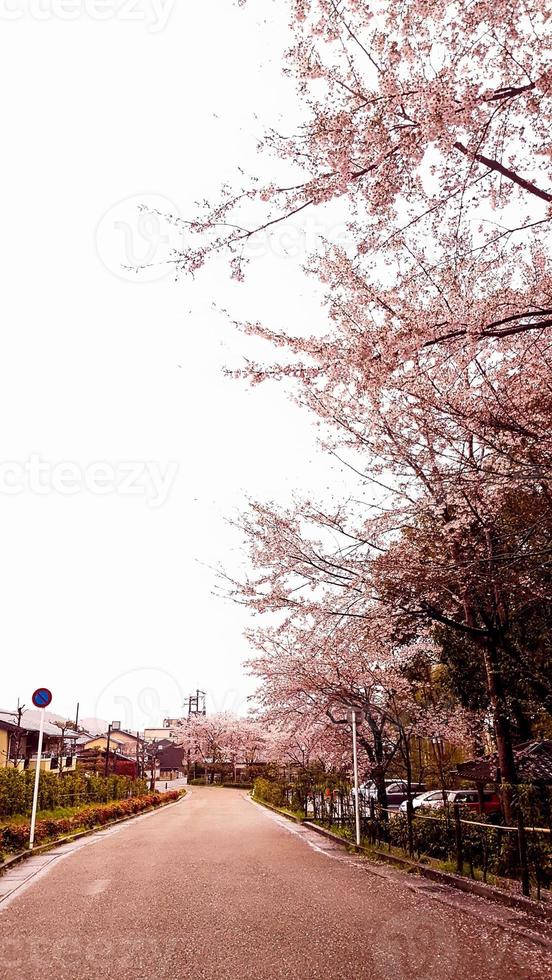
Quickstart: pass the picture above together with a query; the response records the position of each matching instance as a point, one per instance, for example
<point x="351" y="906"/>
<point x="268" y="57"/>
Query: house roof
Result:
<point x="31" y="724"/>
<point x="117" y="737"/>
<point x="533" y="763"/>
<point x="7" y="722"/>
<point x="87" y="752"/>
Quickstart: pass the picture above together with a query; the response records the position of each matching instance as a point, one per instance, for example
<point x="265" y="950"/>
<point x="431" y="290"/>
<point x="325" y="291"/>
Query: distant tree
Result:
<point x="64" y="727"/>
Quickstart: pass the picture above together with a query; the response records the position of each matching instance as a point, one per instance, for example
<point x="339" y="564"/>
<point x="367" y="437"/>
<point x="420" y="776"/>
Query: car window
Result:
<point x="434" y="796"/>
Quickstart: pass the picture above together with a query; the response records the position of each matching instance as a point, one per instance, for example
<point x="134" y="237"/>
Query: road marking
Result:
<point x="97" y="887"/>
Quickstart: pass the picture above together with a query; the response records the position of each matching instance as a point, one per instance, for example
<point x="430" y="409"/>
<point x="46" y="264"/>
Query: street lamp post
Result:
<point x="438" y="745"/>
<point x="306" y="798"/>
<point x="355" y="718"/>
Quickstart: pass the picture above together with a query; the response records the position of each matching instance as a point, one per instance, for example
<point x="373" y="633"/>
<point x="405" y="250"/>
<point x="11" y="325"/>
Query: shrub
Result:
<point x="268" y="791"/>
<point x="484" y="847"/>
<point x="66" y="790"/>
<point x="15" y="837"/>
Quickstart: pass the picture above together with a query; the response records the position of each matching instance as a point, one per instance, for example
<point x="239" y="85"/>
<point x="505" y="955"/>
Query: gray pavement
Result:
<point x="164" y="785"/>
<point x="216" y="887"/>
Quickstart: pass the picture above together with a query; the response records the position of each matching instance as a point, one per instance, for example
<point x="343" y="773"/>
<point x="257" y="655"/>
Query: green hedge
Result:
<point x="58" y="791"/>
<point x="268" y="791"/>
<point x="15" y="837"/>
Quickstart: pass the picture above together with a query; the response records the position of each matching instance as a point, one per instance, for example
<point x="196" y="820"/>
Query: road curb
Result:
<point x="536" y="909"/>
<point x="275" y="809"/>
<point x="530" y="906"/>
<point x="51" y="845"/>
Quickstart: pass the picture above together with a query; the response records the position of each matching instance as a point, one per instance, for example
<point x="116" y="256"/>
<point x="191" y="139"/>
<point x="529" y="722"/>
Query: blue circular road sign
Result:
<point x="42" y="697"/>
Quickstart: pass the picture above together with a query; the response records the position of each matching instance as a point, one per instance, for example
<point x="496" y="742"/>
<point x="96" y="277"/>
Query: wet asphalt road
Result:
<point x="216" y="887"/>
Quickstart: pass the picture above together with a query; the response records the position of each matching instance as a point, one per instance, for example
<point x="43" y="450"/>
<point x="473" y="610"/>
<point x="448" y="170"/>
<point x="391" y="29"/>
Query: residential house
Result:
<point x="171" y="761"/>
<point x="6" y="732"/>
<point x="126" y="743"/>
<point x="19" y="743"/>
<point x="171" y="730"/>
<point x="125" y="752"/>
<point x="533" y="764"/>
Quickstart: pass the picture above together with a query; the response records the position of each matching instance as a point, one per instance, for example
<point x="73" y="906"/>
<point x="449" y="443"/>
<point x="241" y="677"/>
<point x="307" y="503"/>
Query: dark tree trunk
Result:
<point x="379" y="770"/>
<point x="502" y="728"/>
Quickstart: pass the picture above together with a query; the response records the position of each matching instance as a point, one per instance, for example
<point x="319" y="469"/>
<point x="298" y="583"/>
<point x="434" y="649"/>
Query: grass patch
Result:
<point x="374" y="851"/>
<point x="296" y="814"/>
<point x="57" y="814"/>
<point x="344" y="832"/>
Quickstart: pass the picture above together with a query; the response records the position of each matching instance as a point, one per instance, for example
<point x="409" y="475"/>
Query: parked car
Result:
<point x="431" y="799"/>
<point x="470" y="799"/>
<point x="396" y="791"/>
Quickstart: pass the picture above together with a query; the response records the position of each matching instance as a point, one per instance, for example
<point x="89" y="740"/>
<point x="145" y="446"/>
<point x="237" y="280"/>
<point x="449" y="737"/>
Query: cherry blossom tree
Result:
<point x="420" y="116"/>
<point x="428" y="124"/>
<point x="303" y="738"/>
<point x="223" y="739"/>
<point x="311" y="674"/>
<point x="398" y="583"/>
<point x="208" y="739"/>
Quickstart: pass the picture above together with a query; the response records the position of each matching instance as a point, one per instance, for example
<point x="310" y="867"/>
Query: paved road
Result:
<point x="216" y="887"/>
<point x="167" y="784"/>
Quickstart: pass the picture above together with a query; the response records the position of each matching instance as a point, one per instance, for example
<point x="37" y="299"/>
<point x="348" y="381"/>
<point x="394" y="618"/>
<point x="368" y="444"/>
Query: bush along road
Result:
<point x="14" y="836"/>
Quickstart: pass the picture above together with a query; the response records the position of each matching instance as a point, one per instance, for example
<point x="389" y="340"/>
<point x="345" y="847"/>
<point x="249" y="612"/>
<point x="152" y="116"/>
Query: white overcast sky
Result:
<point x="107" y="599"/>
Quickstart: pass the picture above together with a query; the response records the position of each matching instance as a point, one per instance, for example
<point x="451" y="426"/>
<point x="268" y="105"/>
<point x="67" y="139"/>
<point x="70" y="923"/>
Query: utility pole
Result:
<point x="153" y="760"/>
<point x="106" y="767"/>
<point x="18" y="736"/>
<point x="197" y="704"/>
<point x="114" y="726"/>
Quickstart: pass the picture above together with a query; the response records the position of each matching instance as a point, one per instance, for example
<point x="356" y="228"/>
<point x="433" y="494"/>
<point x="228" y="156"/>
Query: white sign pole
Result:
<point x="37" y="778"/>
<point x="355" y="771"/>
